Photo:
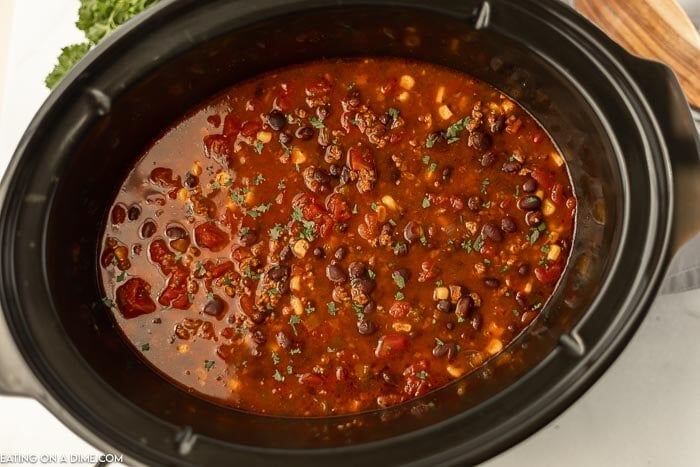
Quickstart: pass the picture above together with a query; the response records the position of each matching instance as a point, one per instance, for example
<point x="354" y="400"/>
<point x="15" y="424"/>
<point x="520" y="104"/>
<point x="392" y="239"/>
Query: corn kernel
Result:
<point x="554" y="252"/>
<point x="381" y="213"/>
<point x="264" y="136"/>
<point x="222" y="178"/>
<point x="183" y="348"/>
<point x="401" y="327"/>
<point x="557" y="159"/>
<point x="297" y="306"/>
<point x="233" y="384"/>
<point x="182" y="194"/>
<point x="295" y="283"/>
<point x="507" y="106"/>
<point x="407" y="82"/>
<point x="494" y="346"/>
<point x="403" y="97"/>
<point x="444" y="112"/>
<point x="548" y="208"/>
<point x="454" y="371"/>
<point x="539" y="194"/>
<point x="298" y="156"/>
<point x="440" y="95"/>
<point x="389" y="202"/>
<point x="196" y="169"/>
<point x="300" y="248"/>
<point x="441" y="293"/>
<point x="121" y="253"/>
<point x="528" y="288"/>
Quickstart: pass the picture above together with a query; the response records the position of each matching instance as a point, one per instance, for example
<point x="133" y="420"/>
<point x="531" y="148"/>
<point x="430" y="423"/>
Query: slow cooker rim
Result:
<point x="64" y="89"/>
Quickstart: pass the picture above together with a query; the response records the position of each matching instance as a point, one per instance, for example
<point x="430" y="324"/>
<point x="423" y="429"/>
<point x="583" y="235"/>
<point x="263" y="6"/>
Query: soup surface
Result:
<point x="337" y="236"/>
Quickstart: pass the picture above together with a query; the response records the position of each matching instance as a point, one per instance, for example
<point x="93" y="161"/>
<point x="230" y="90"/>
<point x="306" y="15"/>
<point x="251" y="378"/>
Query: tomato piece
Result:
<point x="208" y="235"/>
<point x="311" y="379"/>
<point x="158" y="251"/>
<point x="231" y="126"/>
<point x="163" y="177"/>
<point x="338" y="208"/>
<point x="216" y="146"/>
<point x="391" y="345"/>
<point x="175" y="293"/>
<point x="134" y="299"/>
<point x="543" y="177"/>
<point x="558" y="196"/>
<point x="118" y="214"/>
<point x="219" y="270"/>
<point x="360" y="158"/>
<point x="399" y="309"/>
<point x="548" y="275"/>
<point x="250" y="128"/>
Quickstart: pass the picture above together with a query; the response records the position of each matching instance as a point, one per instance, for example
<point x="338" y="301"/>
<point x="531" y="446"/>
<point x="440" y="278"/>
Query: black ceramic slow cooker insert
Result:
<point x="622" y="124"/>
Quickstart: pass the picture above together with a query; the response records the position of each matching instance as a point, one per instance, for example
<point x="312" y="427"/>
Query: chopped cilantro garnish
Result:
<point x="309" y="308"/>
<point x="426" y="202"/>
<point x="478" y="243"/>
<point x="278" y="376"/>
<point x="293" y="321"/>
<point x="484" y="184"/>
<point x="276" y="232"/>
<point x="371" y="274"/>
<point x="398" y="278"/>
<point x="121" y="276"/>
<point x="399" y="295"/>
<point x="258" y="146"/>
<point x="275" y="358"/>
<point x="332" y="308"/>
<point x="431" y="140"/>
<point x="259" y="178"/>
<point x="145" y="347"/>
<point x="422" y="374"/>
<point x="394" y="113"/>
<point x="238" y="195"/>
<point x="453" y="131"/>
<point x="316" y="123"/>
<point x="258" y="210"/>
<point x="209" y="364"/>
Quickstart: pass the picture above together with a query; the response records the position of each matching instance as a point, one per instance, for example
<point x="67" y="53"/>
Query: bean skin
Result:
<point x="277" y="120"/>
<point x="492" y="232"/>
<point x="530" y="203"/>
<point x="335" y="274"/>
<point x="508" y="225"/>
<point x="534" y="218"/>
<point x="366" y="327"/>
<point x="530" y="185"/>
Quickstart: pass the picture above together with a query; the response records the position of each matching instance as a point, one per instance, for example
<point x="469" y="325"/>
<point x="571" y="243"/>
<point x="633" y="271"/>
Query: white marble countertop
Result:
<point x="644" y="411"/>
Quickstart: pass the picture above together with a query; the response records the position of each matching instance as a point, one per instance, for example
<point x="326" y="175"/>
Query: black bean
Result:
<point x="365" y="284"/>
<point x="388" y="377"/>
<point x="258" y="317"/>
<point x="488" y="159"/>
<point x="304" y="133"/>
<point x="369" y="307"/>
<point x="508" y="225"/>
<point x="447" y="174"/>
<point x="474" y="203"/>
<point x="340" y="253"/>
<point x="366" y="327"/>
<point x="175" y="232"/>
<point x="521" y="299"/>
<point x="321" y="177"/>
<point x="491" y="282"/>
<point x="342" y="227"/>
<point x="356" y="269"/>
<point x="401" y="249"/>
<point x="319" y="252"/>
<point x="510" y="167"/>
<point x="437" y="138"/>
<point x="479" y="140"/>
<point x="404" y="273"/>
<point x="286" y="254"/>
<point x="530" y="185"/>
<point x="248" y="237"/>
<point x="534" y="218"/>
<point x="285" y="138"/>
<point x="258" y="337"/>
<point x="450" y="325"/>
<point x="148" y="229"/>
<point x="444" y="306"/>
<point x="345" y="175"/>
<point x="413" y="231"/>
<point x="282" y="340"/>
<point x="492" y="232"/>
<point x="463" y="306"/>
<point x="323" y="111"/>
<point x="335" y="274"/>
<point x="498" y="124"/>
<point x="530" y="203"/>
<point x="523" y="269"/>
<point x="448" y="349"/>
<point x="134" y="212"/>
<point x="215" y="306"/>
<point x="191" y="180"/>
<point x="278" y="273"/>
<point x="476" y="321"/>
<point x="335" y="170"/>
<point x="277" y="120"/>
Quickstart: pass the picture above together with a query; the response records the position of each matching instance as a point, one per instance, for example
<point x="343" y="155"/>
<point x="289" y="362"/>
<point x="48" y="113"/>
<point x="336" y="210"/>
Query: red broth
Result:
<point x="337" y="236"/>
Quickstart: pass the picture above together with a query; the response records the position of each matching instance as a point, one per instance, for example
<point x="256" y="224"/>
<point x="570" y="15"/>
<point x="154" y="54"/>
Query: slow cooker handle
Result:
<point x="663" y="94"/>
<point x="15" y="377"/>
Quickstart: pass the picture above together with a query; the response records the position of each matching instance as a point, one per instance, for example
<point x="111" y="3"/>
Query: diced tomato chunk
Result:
<point x="399" y="309"/>
<point x="217" y="146"/>
<point x="231" y="126"/>
<point x="250" y="129"/>
<point x="360" y="157"/>
<point x="338" y="208"/>
<point x="175" y="293"/>
<point x="208" y="235"/>
<point x="391" y="345"/>
<point x="548" y="275"/>
<point x="134" y="299"/>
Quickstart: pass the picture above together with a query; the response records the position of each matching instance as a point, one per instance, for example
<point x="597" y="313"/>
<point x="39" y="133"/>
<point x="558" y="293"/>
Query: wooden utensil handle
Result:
<point x="655" y="29"/>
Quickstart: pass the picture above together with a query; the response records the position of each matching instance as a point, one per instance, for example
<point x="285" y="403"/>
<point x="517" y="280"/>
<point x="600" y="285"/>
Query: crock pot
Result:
<point x="622" y="124"/>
